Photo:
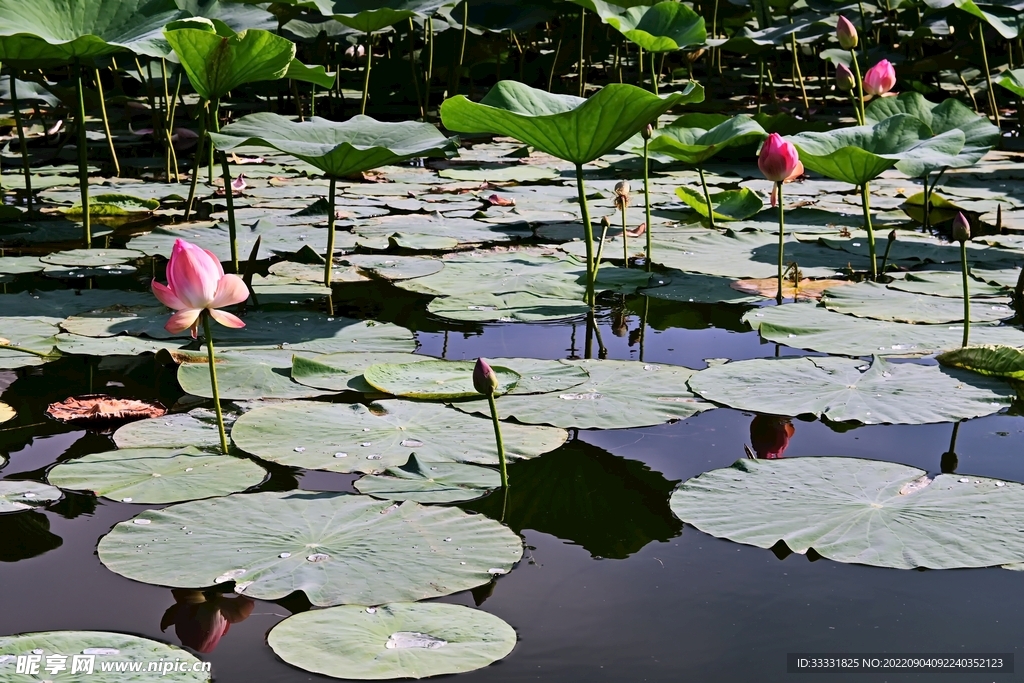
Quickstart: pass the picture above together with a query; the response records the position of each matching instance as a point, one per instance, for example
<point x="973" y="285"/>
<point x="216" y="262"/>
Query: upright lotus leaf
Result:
<point x="237" y="16"/>
<point x="682" y="141"/>
<point x="664" y="27"/>
<point x="993" y="360"/>
<point x="1002" y="17"/>
<point x="870" y="512"/>
<point x="1013" y="81"/>
<point x="369" y="16"/>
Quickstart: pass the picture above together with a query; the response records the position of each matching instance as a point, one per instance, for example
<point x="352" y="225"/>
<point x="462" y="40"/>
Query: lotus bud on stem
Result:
<point x="888" y="246"/>
<point x="779" y="161"/>
<point x="485" y="381"/>
<point x="962" y="233"/>
<point x="621" y="203"/>
<point x="647" y="133"/>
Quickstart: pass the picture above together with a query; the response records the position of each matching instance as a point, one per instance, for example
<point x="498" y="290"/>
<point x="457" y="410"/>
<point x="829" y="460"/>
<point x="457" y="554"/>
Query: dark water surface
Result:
<point x="612" y="586"/>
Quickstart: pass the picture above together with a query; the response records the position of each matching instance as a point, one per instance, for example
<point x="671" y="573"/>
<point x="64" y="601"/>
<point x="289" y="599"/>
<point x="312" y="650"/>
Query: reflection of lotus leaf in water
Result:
<point x="26" y="535"/>
<point x="584" y="495"/>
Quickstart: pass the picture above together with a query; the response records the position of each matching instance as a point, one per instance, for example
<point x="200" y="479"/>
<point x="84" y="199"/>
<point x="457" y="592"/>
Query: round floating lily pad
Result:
<point x="542" y="376"/>
<point x="861" y="511"/>
<point x="74" y="273"/>
<point x="6" y="412"/>
<point x="272" y="544"/>
<point x="353" y="438"/>
<point x="948" y="283"/>
<point x="508" y="307"/>
<point x="434" y="379"/>
<point x="17" y="495"/>
<point x="19" y="336"/>
<point x="305" y="331"/>
<point x="314" y="272"/>
<point x="103" y="646"/>
<point x="91" y="258"/>
<point x="157" y="475"/>
<point x="19" y="265"/>
<point x="430" y="482"/>
<point x="343" y="371"/>
<point x="394" y="267"/>
<point x="170" y="431"/>
<point x="244" y="375"/>
<point x="876" y="301"/>
<point x="619" y="394"/>
<point x="115" y="346"/>
<point x="843" y="389"/>
<point x="399" y="640"/>
<point x="147" y="320"/>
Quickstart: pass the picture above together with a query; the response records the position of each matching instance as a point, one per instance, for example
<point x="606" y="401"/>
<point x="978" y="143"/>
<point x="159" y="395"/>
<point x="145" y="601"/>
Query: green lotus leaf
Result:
<point x="301" y="540"/>
<point x="1005" y="26"/>
<point x="619" y="394"/>
<point x="876" y="301"/>
<point x="728" y="205"/>
<point x="114" y="205"/>
<point x="980" y="135"/>
<point x="235" y="15"/>
<point x="110" y="650"/>
<point x="1013" y="81"/>
<point x="354" y="438"/>
<point x="343" y="371"/>
<point x="571" y="128"/>
<point x="157" y="475"/>
<point x="804" y="326"/>
<point x="860" y="511"/>
<point x="317" y="333"/>
<point x="663" y="27"/>
<point x="32" y="334"/>
<point x="684" y="140"/>
<point x="178" y="430"/>
<point x="91" y="258"/>
<point x="368" y="16"/>
<point x="244" y="375"/>
<point x="18" y="495"/>
<point x="430" y="482"/>
<point x="337" y="149"/>
<point x="844" y="389"/>
<point x="506" y="307"/>
<point x="859" y="154"/>
<point x="434" y="379"/>
<point x="993" y="360"/>
<point x="19" y="265"/>
<point x="316" y="74"/>
<point x="44" y="33"/>
<point x="274" y="238"/>
<point x="399" y="640"/>
<point x="948" y="283"/>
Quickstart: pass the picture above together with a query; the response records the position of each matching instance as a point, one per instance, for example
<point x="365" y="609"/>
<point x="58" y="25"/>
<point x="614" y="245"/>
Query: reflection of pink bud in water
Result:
<point x="200" y="620"/>
<point x="770" y="435"/>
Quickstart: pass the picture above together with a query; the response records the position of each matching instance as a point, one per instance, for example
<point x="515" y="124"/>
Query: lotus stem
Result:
<point x="600" y="247"/>
<point x="106" y="122"/>
<point x="988" y="77"/>
<point x="554" y="61"/>
<point x="228" y="191"/>
<point x="655" y="74"/>
<point x="21" y="141"/>
<point x="967" y="295"/>
<point x="212" y="359"/>
<point x="499" y="442"/>
<point x="865" y="200"/>
<point x="583" y="34"/>
<point x="588" y="231"/>
<point x="200" y="148"/>
<point x="782" y="241"/>
<point x="647" y="202"/>
<point x="859" y="110"/>
<point x="83" y="158"/>
<point x="625" y="245"/>
<point x="429" y="29"/>
<point x="707" y="198"/>
<point x="366" y="69"/>
<point x="888" y="246"/>
<point x="799" y="73"/>
<point x="412" y="66"/>
<point x="760" y="83"/>
<point x="22" y="349"/>
<point x="640" y="66"/>
<point x="330" y="233"/>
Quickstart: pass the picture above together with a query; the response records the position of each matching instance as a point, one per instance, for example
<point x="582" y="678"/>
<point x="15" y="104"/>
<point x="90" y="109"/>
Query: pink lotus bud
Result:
<point x="196" y="282"/>
<point x="844" y="78"/>
<point x="961" y="228"/>
<point x="485" y="381"/>
<point x="648" y="132"/>
<point x="846" y="33"/>
<point x="880" y="79"/>
<point x="778" y="159"/>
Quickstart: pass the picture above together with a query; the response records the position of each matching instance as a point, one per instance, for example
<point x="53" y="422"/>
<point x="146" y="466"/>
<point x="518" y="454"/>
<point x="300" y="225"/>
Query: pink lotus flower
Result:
<point x="196" y="283"/>
<point x="880" y="79"/>
<point x="779" y="159"/>
<point x="846" y="33"/>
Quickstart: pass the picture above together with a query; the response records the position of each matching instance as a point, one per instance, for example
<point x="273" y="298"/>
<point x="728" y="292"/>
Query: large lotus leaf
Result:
<point x="110" y="650"/>
<point x="19" y="265"/>
<point x="31" y="334"/>
<point x="1007" y="26"/>
<point x="543" y="274"/>
<point x="664" y="27"/>
<point x="947" y="283"/>
<point x="338" y="149"/>
<point x="391" y="267"/>
<point x="353" y="438"/>
<point x="728" y="205"/>
<point x="859" y="154"/>
<point x="217" y="64"/>
<point x="124" y="345"/>
<point x="245" y="375"/>
<point x="113" y="205"/>
<point x="876" y="301"/>
<point x="682" y="142"/>
<point x="435" y="233"/>
<point x="860" y="511"/>
<point x="314" y="332"/>
<point x="368" y="16"/>
<point x="571" y="128"/>
<point x="17" y="495"/>
<point x="179" y="430"/>
<point x="1012" y="81"/>
<point x="44" y="33"/>
<point x="316" y="74"/>
<point x="234" y="15"/>
<point x="157" y="475"/>
<point x="115" y="320"/>
<point x="273" y="239"/>
<point x="993" y="360"/>
<point x="804" y="326"/>
<point x="91" y="258"/>
<point x="434" y="379"/>
<point x="980" y="135"/>
<point x="343" y="371"/>
<point x="430" y="482"/>
<point x="507" y="307"/>
<point x="61" y="303"/>
<point x="337" y="548"/>
<point x="919" y="248"/>
<point x="676" y="285"/>
<point x="844" y="389"/>
<point x="400" y="640"/>
<point x="619" y="394"/>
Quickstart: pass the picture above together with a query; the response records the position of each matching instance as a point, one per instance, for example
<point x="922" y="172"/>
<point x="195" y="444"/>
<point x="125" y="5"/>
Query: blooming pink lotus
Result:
<point x="196" y="282"/>
<point x="880" y="79"/>
<point x="779" y="161"/>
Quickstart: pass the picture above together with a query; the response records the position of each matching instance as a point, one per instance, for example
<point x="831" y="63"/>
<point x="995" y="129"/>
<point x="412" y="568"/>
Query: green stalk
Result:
<point x="782" y="241"/>
<point x="967" y="295"/>
<point x="654" y="75"/>
<point x="228" y="192"/>
<point x="430" y="65"/>
<point x="588" y="231"/>
<point x="106" y="122"/>
<point x="83" y="158"/>
<point x="498" y="440"/>
<point x="927" y="202"/>
<point x="799" y="74"/>
<point x="200" y="148"/>
<point x="462" y="49"/>
<point x="860" y="89"/>
<point x="583" y="35"/>
<point x="412" y="66"/>
<point x="330" y="234"/>
<point x="640" y="66"/>
<point x="647" y="202"/>
<point x="21" y="140"/>
<point x="213" y="381"/>
<point x="366" y="69"/>
<point x="988" y="76"/>
<point x="865" y="200"/>
<point x="625" y="246"/>
<point x="707" y="198"/>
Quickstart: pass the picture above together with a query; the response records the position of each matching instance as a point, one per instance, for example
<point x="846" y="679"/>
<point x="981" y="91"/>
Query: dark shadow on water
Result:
<point x="24" y="535"/>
